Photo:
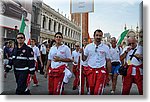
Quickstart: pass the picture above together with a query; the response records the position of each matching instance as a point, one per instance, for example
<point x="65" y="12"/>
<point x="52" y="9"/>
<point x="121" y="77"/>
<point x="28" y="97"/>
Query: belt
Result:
<point x="97" y="69"/>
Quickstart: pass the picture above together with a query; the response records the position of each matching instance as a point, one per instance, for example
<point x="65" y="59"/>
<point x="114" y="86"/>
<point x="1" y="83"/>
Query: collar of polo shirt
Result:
<point x="101" y="44"/>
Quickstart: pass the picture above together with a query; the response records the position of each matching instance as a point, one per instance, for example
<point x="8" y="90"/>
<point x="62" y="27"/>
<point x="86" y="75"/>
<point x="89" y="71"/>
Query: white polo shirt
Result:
<point x="84" y="63"/>
<point x="43" y="49"/>
<point x="97" y="56"/>
<point x="75" y="56"/>
<point x="36" y="52"/>
<point x="134" y="61"/>
<point x="115" y="54"/>
<point x="62" y="51"/>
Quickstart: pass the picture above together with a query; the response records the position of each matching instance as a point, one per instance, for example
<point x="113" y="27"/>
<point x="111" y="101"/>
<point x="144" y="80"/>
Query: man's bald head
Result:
<point x="132" y="42"/>
<point x="132" y="39"/>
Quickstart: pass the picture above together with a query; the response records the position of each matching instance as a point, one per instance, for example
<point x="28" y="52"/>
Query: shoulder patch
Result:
<point x="24" y="51"/>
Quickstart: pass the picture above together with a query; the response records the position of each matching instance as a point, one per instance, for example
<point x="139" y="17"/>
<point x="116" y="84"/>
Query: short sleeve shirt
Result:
<point x="134" y="61"/>
<point x="43" y="49"/>
<point x="36" y="52"/>
<point x="97" y="55"/>
<point x="115" y="54"/>
<point x="62" y="51"/>
<point x="75" y="56"/>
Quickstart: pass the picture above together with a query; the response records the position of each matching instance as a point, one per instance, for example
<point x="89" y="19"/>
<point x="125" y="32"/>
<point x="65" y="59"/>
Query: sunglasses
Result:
<point x="76" y="45"/>
<point x="131" y="43"/>
<point x="96" y="48"/>
<point x="20" y="37"/>
<point x="58" y="37"/>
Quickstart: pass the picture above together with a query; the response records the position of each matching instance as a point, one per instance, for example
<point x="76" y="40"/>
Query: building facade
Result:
<point x="36" y="19"/>
<point x="52" y="22"/>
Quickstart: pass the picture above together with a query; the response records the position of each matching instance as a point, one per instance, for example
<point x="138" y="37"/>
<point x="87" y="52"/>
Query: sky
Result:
<point x="109" y="15"/>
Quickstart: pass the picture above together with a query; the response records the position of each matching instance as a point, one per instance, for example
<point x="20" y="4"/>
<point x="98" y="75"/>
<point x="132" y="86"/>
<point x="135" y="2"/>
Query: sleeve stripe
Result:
<point x="31" y="69"/>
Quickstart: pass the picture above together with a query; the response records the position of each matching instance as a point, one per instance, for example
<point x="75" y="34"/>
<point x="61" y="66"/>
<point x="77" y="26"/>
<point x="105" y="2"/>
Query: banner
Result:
<point x="81" y="6"/>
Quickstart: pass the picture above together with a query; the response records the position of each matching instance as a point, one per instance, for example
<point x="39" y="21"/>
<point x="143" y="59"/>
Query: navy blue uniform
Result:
<point x="23" y="61"/>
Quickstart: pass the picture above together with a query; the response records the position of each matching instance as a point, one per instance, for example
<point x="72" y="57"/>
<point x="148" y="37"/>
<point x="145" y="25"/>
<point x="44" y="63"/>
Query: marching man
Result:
<point x="133" y="56"/>
<point x="83" y="74"/>
<point x="22" y="59"/>
<point x="58" y="57"/>
<point x="115" y="52"/>
<point x="98" y="63"/>
<point x="36" y="56"/>
<point x="76" y="63"/>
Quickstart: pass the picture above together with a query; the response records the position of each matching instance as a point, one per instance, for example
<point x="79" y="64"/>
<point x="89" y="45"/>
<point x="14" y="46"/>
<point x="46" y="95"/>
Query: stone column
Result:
<point x="67" y="32"/>
<point x="64" y="31"/>
<point x="52" y="25"/>
<point x="61" y="28"/>
<point x="41" y="21"/>
<point x="56" y="27"/>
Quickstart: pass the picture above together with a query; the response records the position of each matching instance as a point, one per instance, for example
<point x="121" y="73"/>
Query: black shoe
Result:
<point x="107" y="84"/>
<point x="74" y="88"/>
<point x="42" y="73"/>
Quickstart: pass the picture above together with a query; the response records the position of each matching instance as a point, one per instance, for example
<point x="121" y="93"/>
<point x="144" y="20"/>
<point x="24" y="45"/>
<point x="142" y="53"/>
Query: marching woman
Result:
<point x="58" y="57"/>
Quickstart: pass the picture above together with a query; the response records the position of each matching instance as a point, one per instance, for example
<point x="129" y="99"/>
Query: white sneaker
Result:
<point x="112" y="92"/>
<point x="88" y="93"/>
<point x="35" y="85"/>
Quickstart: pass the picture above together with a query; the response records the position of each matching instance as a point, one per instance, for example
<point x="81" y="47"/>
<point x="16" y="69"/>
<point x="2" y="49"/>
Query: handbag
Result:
<point x="123" y="71"/>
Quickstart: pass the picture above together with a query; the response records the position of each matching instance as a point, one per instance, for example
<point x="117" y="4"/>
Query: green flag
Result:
<point x="123" y="34"/>
<point x="25" y="30"/>
<point x="23" y="25"/>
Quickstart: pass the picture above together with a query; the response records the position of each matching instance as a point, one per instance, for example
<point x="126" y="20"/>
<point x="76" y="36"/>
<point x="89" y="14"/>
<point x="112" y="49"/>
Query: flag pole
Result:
<point x="80" y="55"/>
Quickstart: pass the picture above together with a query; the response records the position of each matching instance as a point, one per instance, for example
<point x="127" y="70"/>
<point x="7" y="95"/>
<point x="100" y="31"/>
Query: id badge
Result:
<point x="129" y="62"/>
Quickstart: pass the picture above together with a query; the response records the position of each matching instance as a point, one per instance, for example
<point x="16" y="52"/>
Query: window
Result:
<point x="44" y="19"/>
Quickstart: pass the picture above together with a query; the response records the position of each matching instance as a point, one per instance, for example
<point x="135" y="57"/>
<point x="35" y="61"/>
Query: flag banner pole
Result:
<point x="80" y="55"/>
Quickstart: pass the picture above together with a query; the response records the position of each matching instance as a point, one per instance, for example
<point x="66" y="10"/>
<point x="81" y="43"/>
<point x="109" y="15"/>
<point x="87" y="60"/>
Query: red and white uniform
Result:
<point x="134" y="72"/>
<point x="84" y="76"/>
<point x="36" y="55"/>
<point x="96" y="70"/>
<point x="76" y="69"/>
<point x="56" y="70"/>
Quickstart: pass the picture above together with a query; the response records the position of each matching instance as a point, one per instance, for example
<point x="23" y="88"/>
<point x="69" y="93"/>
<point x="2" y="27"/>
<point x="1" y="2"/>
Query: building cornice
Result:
<point x="57" y="15"/>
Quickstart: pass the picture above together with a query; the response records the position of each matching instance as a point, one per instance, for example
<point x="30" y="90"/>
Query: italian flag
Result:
<point x="24" y="28"/>
<point x="123" y="34"/>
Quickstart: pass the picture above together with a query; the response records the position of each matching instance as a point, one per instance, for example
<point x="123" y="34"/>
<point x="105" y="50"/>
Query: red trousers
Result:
<point x="129" y="79"/>
<point x="83" y="79"/>
<point x="35" y="81"/>
<point x="76" y="73"/>
<point x="55" y="80"/>
<point x="36" y="66"/>
<point x="96" y="79"/>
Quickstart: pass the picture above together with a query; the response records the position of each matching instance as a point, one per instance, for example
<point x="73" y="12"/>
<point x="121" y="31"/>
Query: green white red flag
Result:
<point x="123" y="34"/>
<point x="24" y="28"/>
